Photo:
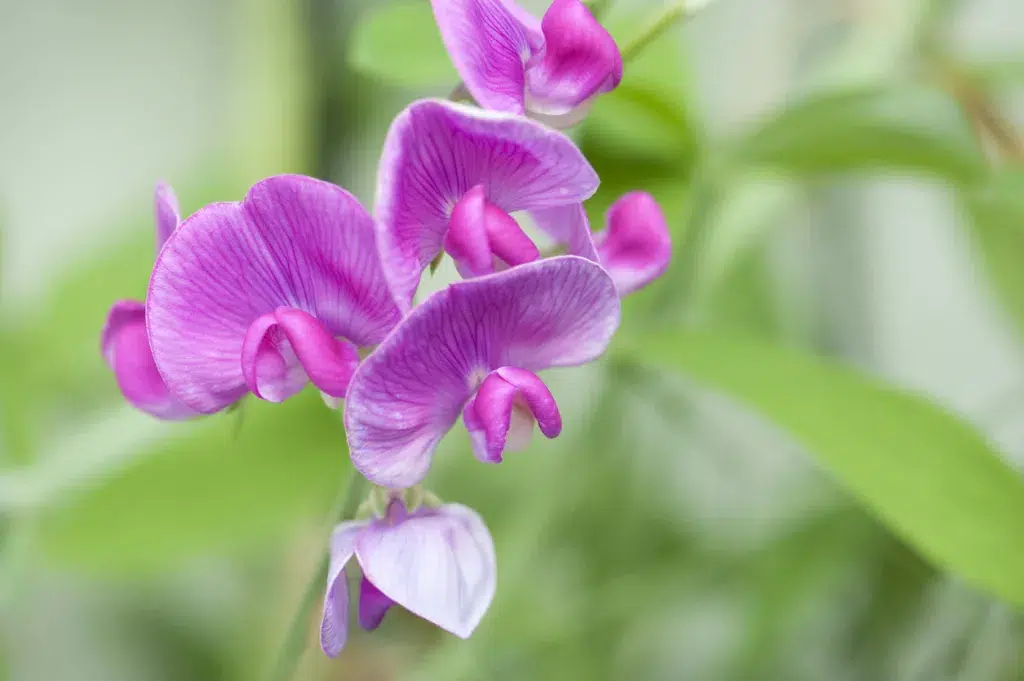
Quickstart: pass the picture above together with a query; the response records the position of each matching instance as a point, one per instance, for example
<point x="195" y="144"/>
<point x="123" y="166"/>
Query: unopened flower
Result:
<point x="451" y="176"/>
<point x="511" y="61"/>
<point x="635" y="247"/>
<point x="437" y="563"/>
<point x="125" y="342"/>
<point x="474" y="349"/>
<point x="267" y="294"/>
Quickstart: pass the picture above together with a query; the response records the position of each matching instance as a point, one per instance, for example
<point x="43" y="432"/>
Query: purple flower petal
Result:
<point x="568" y="225"/>
<point x="438" y="564"/>
<point x="168" y="214"/>
<point x="334" y="625"/>
<point x="500" y="417"/>
<point x="373" y="605"/>
<point x="490" y="42"/>
<point x="437" y="152"/>
<point x="580" y="60"/>
<point x="294" y="242"/>
<point x="636" y="246"/>
<point x="125" y="348"/>
<point x="409" y="392"/>
<point x="284" y="349"/>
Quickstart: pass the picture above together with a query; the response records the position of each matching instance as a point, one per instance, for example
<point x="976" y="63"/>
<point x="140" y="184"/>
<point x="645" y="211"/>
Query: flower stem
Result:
<point x="983" y="115"/>
<point x="294" y="644"/>
<point x="666" y="19"/>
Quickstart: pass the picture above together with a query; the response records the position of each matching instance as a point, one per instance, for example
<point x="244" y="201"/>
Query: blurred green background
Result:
<point x="799" y="461"/>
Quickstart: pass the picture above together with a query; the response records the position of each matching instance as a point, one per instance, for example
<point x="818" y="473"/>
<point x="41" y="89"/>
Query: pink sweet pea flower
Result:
<point x="437" y="563"/>
<point x="451" y="176"/>
<point x="125" y="343"/>
<point x="474" y="349"/>
<point x="509" y="61"/>
<point x="635" y="247"/>
<point x="268" y="294"/>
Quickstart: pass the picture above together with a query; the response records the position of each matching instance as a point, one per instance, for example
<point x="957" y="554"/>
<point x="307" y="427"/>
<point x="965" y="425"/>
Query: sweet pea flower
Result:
<point x="510" y="61"/>
<point x="474" y="349"/>
<point x="437" y="563"/>
<point x="125" y="343"/>
<point x="635" y="247"/>
<point x="267" y="294"/>
<point x="449" y="179"/>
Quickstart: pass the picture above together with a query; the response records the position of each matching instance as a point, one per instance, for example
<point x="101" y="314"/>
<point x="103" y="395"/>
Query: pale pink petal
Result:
<point x="438" y="564"/>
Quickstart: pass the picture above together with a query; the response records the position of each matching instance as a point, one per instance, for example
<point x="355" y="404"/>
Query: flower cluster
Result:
<point x="297" y="283"/>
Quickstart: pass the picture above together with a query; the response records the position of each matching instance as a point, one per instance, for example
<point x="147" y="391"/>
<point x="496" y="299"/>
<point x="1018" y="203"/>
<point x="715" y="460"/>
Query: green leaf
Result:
<point x="928" y="475"/>
<point x="204" y="492"/>
<point x="902" y="128"/>
<point x="398" y="43"/>
<point x="997" y="225"/>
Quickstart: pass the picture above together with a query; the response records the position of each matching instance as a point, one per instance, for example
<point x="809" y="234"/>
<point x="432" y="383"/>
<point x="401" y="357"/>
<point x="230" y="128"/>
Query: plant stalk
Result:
<point x="294" y="644"/>
<point x="662" y="23"/>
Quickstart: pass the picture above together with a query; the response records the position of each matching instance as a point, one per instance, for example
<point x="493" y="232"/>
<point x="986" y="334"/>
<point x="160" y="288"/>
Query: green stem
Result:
<point x="294" y="644"/>
<point x="668" y="17"/>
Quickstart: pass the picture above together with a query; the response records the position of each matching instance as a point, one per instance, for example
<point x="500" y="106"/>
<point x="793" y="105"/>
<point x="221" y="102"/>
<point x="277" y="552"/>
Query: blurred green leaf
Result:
<point x="206" y="491"/>
<point x="744" y="298"/>
<point x="398" y="42"/>
<point x="996" y="74"/>
<point x="648" y="116"/>
<point x="64" y="335"/>
<point x="930" y="477"/>
<point x="997" y="225"/>
<point x="900" y="128"/>
<point x="733" y="285"/>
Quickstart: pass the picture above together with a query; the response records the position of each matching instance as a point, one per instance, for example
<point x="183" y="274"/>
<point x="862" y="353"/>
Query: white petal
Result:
<point x="438" y="564"/>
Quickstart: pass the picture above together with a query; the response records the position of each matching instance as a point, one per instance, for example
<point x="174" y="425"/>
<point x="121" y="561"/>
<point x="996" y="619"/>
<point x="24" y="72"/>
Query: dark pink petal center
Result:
<point x="501" y="415"/>
<point x="481" y="235"/>
<point x="284" y="348"/>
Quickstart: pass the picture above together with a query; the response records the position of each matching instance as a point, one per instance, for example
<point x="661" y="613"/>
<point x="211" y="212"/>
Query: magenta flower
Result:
<point x="267" y="294"/>
<point x="125" y="343"/>
<point x="451" y="176"/>
<point x="635" y="247"/>
<point x="474" y="349"/>
<point x="509" y="61"/>
<point x="437" y="563"/>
